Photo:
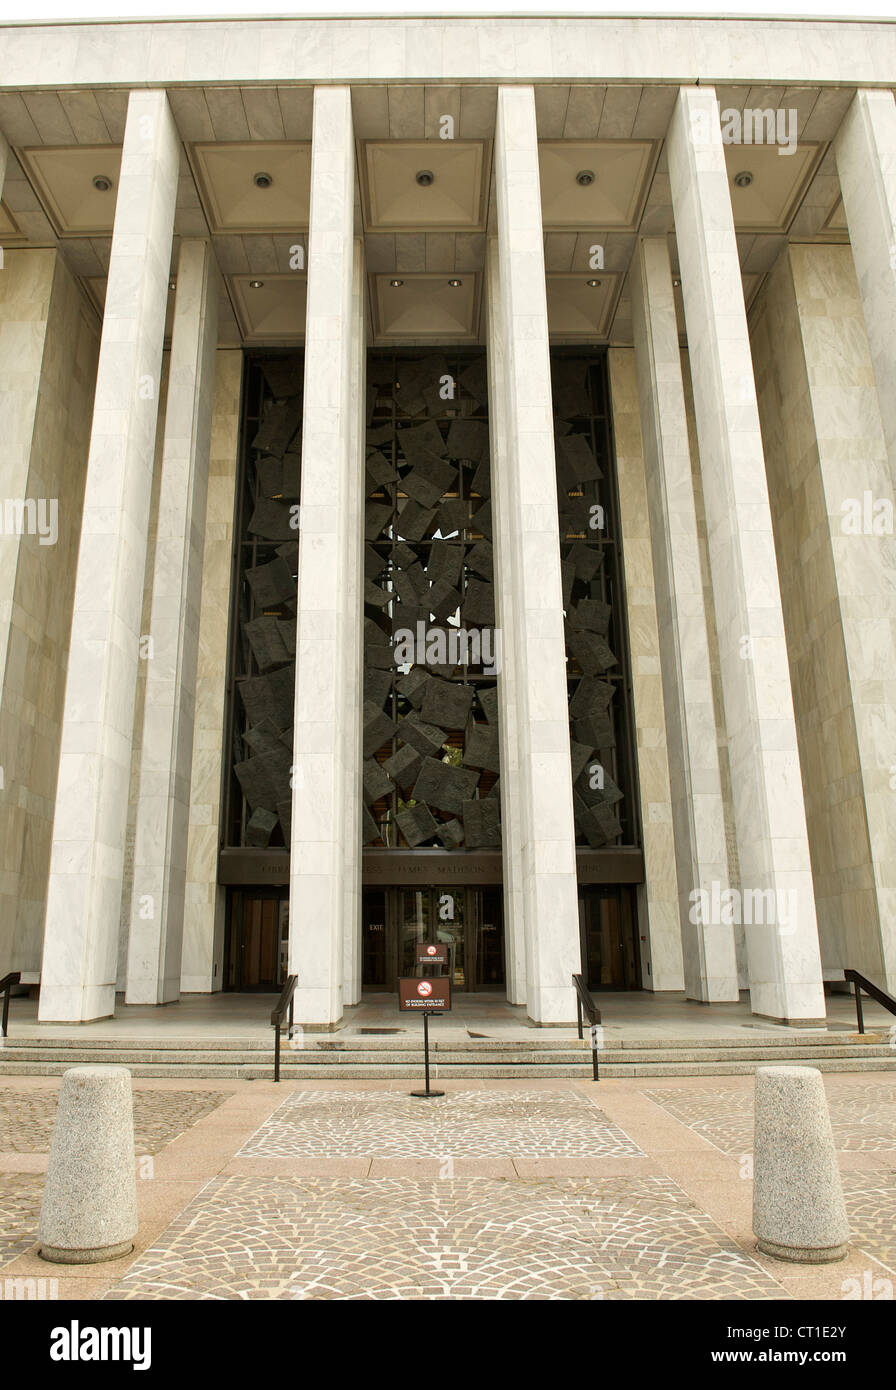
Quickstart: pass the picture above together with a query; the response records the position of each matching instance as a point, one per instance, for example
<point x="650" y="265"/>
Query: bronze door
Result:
<point x="607" y="921"/>
<point x="257" y="939"/>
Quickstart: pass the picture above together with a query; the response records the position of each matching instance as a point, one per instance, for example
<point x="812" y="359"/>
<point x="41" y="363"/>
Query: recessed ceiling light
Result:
<point x="743" y="179"/>
<point x="396" y="284"/>
<point x="172" y="284"/>
<point x="676" y="283"/>
<point x="592" y="284"/>
<point x="102" y="183"/>
<point x="455" y="284"/>
<point x="256" y="284"/>
<point x="262" y="180"/>
<point x="425" y="177"/>
<point x="585" y="177"/>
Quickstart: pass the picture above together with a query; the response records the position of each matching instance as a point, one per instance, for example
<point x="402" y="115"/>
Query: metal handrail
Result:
<point x="885" y="1000"/>
<point x="585" y="1002"/>
<point x="284" y="1003"/>
<point x="13" y="978"/>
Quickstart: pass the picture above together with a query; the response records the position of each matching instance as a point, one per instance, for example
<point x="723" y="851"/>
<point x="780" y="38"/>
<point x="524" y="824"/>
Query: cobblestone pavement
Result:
<point x="863" y="1115"/>
<point x="26" y="1118"/>
<point x="20" y="1199"/>
<point x="471" y="1124"/>
<point x="469" y="1238"/>
<point x="495" y="1191"/>
<point x="871" y="1207"/>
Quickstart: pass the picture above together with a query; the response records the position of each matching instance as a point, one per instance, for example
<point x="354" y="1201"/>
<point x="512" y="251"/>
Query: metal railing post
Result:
<point x="860" y="1017"/>
<point x="285" y="1001"/>
<point x="6" y="984"/>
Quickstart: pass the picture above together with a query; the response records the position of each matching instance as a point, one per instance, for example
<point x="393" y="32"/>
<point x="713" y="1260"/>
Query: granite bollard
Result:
<point x="89" y="1209"/>
<point x="798" y="1210"/>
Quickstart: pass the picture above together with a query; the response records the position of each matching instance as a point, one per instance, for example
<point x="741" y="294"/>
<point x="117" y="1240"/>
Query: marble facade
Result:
<point x="761" y="641"/>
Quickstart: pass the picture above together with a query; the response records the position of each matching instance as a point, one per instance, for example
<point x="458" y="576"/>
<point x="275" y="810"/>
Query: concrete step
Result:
<point x="505" y="1059"/>
<point x="399" y="1056"/>
<point x="444" y="1056"/>
<point x="365" y="1071"/>
<point x="536" y="1041"/>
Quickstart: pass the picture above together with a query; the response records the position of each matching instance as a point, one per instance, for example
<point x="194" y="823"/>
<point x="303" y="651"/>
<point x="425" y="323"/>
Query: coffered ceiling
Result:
<point x="581" y="309"/>
<point x="253" y="186"/>
<point x="778" y="182"/>
<point x="594" y="183"/>
<point x="77" y="187"/>
<point x="425" y="308"/>
<point x="427" y="185"/>
<point x="9" y="232"/>
<point x="423" y="234"/>
<point x="270" y="310"/>
<point x="836" y="219"/>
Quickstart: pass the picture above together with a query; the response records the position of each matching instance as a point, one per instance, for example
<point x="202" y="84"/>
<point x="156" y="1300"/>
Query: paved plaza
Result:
<point x="555" y="1189"/>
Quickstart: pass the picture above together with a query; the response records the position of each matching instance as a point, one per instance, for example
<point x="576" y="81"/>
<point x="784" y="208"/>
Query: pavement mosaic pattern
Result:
<point x="26" y="1118"/>
<point x="871" y="1207"/>
<point x="464" y="1124"/>
<point x="20" y="1199"/>
<point x="467" y="1238"/>
<point x="863" y="1115"/>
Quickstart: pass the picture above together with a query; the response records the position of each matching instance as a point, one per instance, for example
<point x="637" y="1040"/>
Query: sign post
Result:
<point x="426" y="997"/>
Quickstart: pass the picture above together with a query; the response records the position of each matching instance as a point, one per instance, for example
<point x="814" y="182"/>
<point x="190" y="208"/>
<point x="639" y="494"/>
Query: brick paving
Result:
<point x="20" y="1198"/>
<point x="863" y="1115"/>
<point x="26" y="1118"/>
<point x="499" y="1190"/>
<point x="468" y="1124"/>
<point x="470" y="1238"/>
<point x="871" y="1206"/>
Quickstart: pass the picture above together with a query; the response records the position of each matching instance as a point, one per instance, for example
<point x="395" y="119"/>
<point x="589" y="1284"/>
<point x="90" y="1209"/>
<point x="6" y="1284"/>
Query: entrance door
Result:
<point x="257" y="938"/>
<point x="607" y="919"/>
<point x="468" y="920"/>
<point x="427" y="914"/>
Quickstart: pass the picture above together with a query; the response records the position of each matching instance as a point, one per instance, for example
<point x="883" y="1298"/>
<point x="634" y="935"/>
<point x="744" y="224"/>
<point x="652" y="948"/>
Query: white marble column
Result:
<point x="865" y="151"/>
<point x="354" y="670"/>
<point x="698" y="819"/>
<point x="163" y="804"/>
<point x="508" y="732"/>
<point x="838" y="584"/>
<point x="86" y="868"/>
<point x="326" y="732"/>
<point x="773" y="849"/>
<point x="657" y="896"/>
<point x="202" y="962"/>
<point x="533" y="607"/>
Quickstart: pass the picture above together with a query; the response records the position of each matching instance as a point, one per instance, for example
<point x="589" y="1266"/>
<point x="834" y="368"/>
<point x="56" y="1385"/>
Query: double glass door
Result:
<point x="468" y="920"/>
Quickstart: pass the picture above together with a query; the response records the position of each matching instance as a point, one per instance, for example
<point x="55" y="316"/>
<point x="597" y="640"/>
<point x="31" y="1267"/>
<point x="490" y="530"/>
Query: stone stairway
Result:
<point x="458" y="1055"/>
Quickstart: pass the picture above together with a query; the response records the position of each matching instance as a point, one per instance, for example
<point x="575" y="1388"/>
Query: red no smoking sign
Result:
<point x="432" y="953"/>
<point x="424" y="996"/>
